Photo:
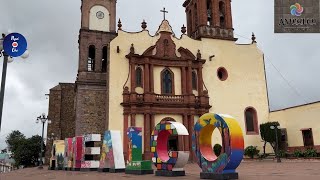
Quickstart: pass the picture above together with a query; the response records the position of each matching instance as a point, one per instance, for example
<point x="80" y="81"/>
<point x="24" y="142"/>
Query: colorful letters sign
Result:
<point x="89" y="151"/>
<point x="136" y="165"/>
<point x="162" y="159"/>
<point x="112" y="158"/>
<point x="68" y="150"/>
<point x="232" y="143"/>
<point x="77" y="152"/>
<point x="57" y="159"/>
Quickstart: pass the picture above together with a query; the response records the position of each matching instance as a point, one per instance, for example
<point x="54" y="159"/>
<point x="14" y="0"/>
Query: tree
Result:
<point x="13" y="140"/>
<point x="268" y="135"/>
<point x="28" y="152"/>
<point x="25" y="151"/>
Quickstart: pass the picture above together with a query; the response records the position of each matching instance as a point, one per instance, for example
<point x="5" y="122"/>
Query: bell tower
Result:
<point x="209" y="19"/>
<point x="98" y="22"/>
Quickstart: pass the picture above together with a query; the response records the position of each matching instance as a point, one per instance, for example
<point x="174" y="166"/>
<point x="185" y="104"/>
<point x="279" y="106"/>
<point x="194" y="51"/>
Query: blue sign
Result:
<point x="14" y="44"/>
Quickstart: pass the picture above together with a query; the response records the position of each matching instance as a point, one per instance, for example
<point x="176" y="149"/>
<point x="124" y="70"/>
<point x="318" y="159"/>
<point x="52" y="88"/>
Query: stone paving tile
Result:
<point x="249" y="170"/>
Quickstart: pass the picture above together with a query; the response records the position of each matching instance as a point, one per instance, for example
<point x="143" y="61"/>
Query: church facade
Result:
<point x="137" y="79"/>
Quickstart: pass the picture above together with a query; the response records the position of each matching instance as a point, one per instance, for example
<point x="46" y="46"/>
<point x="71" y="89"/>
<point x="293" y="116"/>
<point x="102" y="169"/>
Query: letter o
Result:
<point x="162" y="159"/>
<point x="232" y="143"/>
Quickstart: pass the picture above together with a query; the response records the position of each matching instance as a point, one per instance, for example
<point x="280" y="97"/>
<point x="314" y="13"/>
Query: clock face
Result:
<point x="100" y="15"/>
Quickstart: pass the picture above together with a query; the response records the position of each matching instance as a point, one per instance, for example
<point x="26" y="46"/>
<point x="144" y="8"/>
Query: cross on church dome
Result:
<point x="164" y="13"/>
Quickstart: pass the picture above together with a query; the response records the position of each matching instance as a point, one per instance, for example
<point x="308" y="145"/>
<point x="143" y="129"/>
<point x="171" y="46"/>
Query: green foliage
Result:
<point x="268" y="134"/>
<point x="251" y="151"/>
<point x="217" y="149"/>
<point x="310" y="153"/>
<point x="297" y="153"/>
<point x="282" y="153"/>
<point x="25" y="151"/>
<point x="13" y="140"/>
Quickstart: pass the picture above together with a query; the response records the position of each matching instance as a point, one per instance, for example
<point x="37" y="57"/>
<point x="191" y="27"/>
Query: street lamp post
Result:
<point x="42" y="119"/>
<point x="6" y="59"/>
<point x="277" y="143"/>
<point x="4" y="73"/>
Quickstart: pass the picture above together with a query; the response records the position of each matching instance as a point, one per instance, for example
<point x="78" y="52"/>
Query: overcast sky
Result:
<point x="52" y="26"/>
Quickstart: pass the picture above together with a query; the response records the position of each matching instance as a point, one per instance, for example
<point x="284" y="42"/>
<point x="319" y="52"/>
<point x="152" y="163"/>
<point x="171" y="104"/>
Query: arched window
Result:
<point x="91" y="57"/>
<point x="222" y="14"/>
<point x="139" y="77"/>
<point x="195" y="16"/>
<point x="209" y="13"/>
<point x="104" y="65"/>
<point x="251" y="120"/>
<point x="167" y="81"/>
<point x="194" y="81"/>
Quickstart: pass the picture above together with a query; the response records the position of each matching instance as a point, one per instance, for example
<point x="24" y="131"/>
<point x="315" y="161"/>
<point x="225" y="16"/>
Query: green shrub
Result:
<point x="217" y="149"/>
<point x="251" y="151"/>
<point x="282" y="153"/>
<point x="310" y="153"/>
<point x="297" y="153"/>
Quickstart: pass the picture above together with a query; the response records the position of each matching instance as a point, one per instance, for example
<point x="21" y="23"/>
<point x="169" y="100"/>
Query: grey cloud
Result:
<point x="52" y="28"/>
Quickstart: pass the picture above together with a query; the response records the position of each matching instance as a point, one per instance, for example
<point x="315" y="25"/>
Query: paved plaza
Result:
<point x="255" y="170"/>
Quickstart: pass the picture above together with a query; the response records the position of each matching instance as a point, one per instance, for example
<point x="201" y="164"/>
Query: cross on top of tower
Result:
<point x="164" y="13"/>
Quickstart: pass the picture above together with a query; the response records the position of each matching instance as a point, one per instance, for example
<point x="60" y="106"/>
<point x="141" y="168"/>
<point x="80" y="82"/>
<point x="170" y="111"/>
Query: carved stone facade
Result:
<point x="163" y="54"/>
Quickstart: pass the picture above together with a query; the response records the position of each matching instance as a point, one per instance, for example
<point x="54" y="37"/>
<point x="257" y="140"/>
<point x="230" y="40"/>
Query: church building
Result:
<point x="140" y="79"/>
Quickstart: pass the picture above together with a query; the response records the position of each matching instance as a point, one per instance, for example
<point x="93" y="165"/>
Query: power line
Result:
<point x="282" y="76"/>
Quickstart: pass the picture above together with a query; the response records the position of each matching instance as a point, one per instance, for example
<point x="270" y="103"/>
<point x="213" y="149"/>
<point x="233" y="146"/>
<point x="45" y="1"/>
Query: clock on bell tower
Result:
<point x="99" y="15"/>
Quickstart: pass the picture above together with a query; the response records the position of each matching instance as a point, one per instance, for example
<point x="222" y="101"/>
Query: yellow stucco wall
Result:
<point x="245" y="86"/>
<point x="297" y="118"/>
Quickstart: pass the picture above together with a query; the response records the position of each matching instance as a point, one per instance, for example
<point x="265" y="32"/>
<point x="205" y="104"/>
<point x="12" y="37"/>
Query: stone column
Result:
<point x="228" y="14"/>
<point x="186" y="138"/>
<point x="215" y="13"/>
<point x="183" y="80"/>
<point x="151" y="79"/>
<point x="202" y="13"/>
<point x="190" y="129"/>
<point x="200" y="81"/>
<point x="125" y="137"/>
<point x="189" y="80"/>
<point x="146" y="78"/>
<point x="152" y="123"/>
<point x="133" y="77"/>
<point x="133" y="120"/>
<point x="98" y="60"/>
<point x="147" y="136"/>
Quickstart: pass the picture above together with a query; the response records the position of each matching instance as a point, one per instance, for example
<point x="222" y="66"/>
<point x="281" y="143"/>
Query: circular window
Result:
<point x="222" y="73"/>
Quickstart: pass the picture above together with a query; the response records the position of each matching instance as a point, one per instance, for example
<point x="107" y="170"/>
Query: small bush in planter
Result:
<point x="297" y="153"/>
<point x="310" y="153"/>
<point x="251" y="151"/>
<point x="282" y="153"/>
<point x="217" y="149"/>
